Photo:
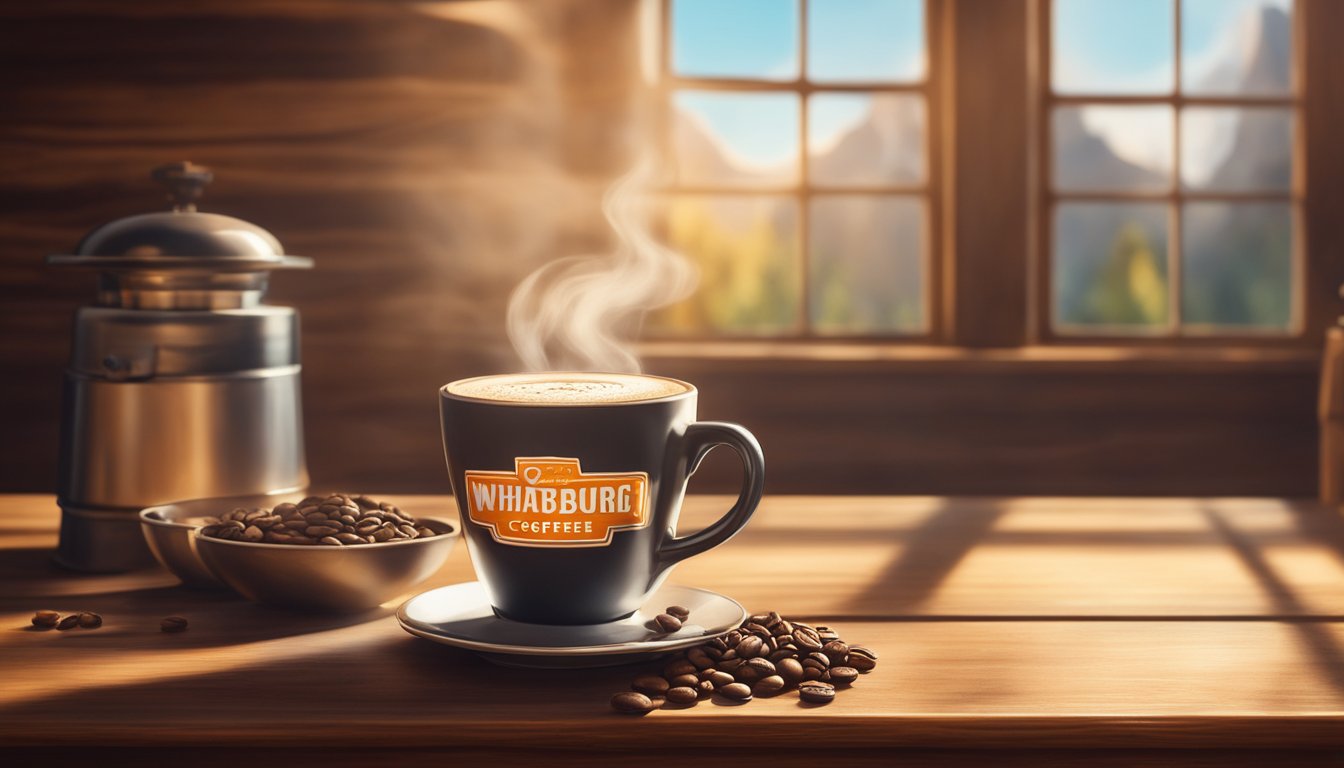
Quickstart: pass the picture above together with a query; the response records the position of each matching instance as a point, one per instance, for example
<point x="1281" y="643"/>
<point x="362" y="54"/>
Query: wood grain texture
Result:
<point x="916" y="558"/>
<point x="1253" y="672"/>
<point x="428" y="155"/>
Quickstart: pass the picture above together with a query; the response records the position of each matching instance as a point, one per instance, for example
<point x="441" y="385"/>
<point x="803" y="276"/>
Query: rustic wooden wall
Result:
<point x="428" y="155"/>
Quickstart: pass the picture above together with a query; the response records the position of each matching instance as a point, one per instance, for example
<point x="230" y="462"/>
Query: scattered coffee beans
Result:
<point x="173" y="624"/>
<point x="764" y="657"/>
<point x="89" y="620"/>
<point x="667" y="622"/>
<point x="816" y="692"/>
<point x="682" y="694"/>
<point x="650" y="685"/>
<point x="69" y="622"/>
<point x="631" y="703"/>
<point x="681" y="613"/>
<point x="46" y="619"/>
<point x="735" y="692"/>
<point x="336" y="520"/>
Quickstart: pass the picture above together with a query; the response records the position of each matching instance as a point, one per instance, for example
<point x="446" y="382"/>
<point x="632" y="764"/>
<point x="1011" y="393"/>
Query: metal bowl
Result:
<point x="323" y="578"/>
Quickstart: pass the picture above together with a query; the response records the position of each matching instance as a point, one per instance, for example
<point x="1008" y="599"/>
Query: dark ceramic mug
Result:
<point x="569" y="502"/>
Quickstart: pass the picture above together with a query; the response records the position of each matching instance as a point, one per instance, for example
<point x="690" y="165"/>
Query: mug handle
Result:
<point x="702" y="437"/>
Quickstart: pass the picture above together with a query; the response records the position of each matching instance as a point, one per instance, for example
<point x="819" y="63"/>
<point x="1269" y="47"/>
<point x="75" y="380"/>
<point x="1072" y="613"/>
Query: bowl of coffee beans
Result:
<point x="329" y="552"/>
<point x="169" y="528"/>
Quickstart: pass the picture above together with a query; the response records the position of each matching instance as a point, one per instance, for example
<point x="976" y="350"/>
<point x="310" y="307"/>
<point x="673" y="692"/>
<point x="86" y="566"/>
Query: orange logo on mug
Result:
<point x="551" y="502"/>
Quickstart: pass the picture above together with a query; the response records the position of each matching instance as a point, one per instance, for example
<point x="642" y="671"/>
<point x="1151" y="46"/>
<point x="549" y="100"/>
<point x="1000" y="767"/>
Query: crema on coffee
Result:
<point x="567" y="388"/>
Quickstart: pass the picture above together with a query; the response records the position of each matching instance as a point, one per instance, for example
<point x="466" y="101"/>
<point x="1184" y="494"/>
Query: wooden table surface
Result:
<point x="1014" y="624"/>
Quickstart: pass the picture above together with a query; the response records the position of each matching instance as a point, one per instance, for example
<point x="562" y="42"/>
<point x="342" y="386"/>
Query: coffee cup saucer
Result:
<point x="460" y="615"/>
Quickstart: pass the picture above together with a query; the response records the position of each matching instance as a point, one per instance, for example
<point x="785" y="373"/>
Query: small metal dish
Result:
<point x="321" y="578"/>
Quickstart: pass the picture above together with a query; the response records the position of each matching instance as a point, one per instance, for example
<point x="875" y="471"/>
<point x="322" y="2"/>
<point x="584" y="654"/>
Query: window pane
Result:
<point x="865" y="41"/>
<point x="736" y="139"/>
<point x="1229" y="149"/>
<point x="1232" y="47"/>
<point x="867" y="264"/>
<point x="1106" y="148"/>
<point x="747" y="249"/>
<point x="1238" y="261"/>
<point x="743" y="38"/>
<point x="859" y="139"/>
<point x="1110" y="266"/>
<point x="1113" y="46"/>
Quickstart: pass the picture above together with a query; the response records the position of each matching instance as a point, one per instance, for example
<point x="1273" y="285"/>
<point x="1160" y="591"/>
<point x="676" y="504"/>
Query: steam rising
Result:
<point x="581" y="313"/>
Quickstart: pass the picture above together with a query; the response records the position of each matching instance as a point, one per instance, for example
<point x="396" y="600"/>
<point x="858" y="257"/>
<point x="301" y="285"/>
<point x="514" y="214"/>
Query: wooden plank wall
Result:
<point x="430" y="154"/>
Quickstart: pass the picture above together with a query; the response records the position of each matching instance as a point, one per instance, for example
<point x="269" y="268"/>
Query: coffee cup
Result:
<point x="570" y="485"/>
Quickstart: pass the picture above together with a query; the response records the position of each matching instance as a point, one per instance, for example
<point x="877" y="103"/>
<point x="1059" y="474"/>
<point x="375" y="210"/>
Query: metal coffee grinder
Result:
<point x="182" y="383"/>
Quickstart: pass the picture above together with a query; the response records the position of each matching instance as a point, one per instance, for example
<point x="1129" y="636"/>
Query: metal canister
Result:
<point x="182" y="383"/>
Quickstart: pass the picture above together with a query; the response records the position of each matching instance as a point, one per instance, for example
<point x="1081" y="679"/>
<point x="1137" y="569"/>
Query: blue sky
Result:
<point x="1100" y="46"/>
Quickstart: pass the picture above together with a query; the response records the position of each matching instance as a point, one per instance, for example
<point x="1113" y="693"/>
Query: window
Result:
<point x="800" y="133"/>
<point x="1161" y="189"/>
<point x="1171" y="205"/>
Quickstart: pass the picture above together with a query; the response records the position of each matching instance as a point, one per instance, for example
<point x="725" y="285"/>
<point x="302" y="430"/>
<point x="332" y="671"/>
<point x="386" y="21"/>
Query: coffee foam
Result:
<point x="567" y="388"/>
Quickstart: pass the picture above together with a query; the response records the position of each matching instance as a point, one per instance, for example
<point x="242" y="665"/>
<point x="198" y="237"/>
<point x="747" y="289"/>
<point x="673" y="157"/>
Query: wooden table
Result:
<point x="1043" y="628"/>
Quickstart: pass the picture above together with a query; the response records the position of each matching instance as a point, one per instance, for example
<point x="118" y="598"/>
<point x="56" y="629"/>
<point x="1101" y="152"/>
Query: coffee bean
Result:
<point x="252" y="533"/>
<point x="704" y="689"/>
<point x="89" y="620"/>
<point x="650" y="685"/>
<point x="763" y="667"/>
<point x="791" y="670"/>
<point x="720" y="679"/>
<point x="331" y="541"/>
<point x="812" y="673"/>
<point x="683" y="694"/>
<point x="684" y="681"/>
<point x="735" y="691"/>
<point x="843" y="675"/>
<point x="816" y="693"/>
<point x="862" y="658"/>
<point x="768" y="686"/>
<point x="806" y="639"/>
<point x="631" y="703"/>
<point x="746" y="674"/>
<point x="46" y="619"/>
<point x="826" y="634"/>
<point x="667" y="622"/>
<point x="679" y="667"/>
<point x="700" y="658"/>
<point x="836" y="651"/>
<point x="69" y="622"/>
<point x="173" y="624"/>
<point x="783" y="653"/>
<point x="680" y="612"/>
<point x="749" y="647"/>
<point x="818" y="657"/>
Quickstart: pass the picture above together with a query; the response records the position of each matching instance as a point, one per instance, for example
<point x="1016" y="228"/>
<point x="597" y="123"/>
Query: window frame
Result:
<point x="986" y="84"/>
<point x="1175" y="332"/>
<point x="667" y="83"/>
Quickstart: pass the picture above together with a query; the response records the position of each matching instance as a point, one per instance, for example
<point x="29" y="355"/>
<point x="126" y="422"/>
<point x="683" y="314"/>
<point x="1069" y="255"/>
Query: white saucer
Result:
<point x="460" y="615"/>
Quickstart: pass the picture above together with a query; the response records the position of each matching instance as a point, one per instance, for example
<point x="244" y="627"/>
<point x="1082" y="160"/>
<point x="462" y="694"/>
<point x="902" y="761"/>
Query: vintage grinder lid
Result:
<point x="180" y="259"/>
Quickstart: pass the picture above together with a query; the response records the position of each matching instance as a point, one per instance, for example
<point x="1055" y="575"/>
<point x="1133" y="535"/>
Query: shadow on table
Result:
<point x="1316" y="635"/>
<point x="930" y="553"/>
<point x="389" y="676"/>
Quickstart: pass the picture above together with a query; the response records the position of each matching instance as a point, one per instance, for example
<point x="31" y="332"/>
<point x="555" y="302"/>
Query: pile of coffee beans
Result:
<point x="336" y="520"/>
<point x="766" y="656"/>
<point x="54" y="620"/>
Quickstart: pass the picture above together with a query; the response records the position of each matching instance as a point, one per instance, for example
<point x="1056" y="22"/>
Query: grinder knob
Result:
<point x="185" y="182"/>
